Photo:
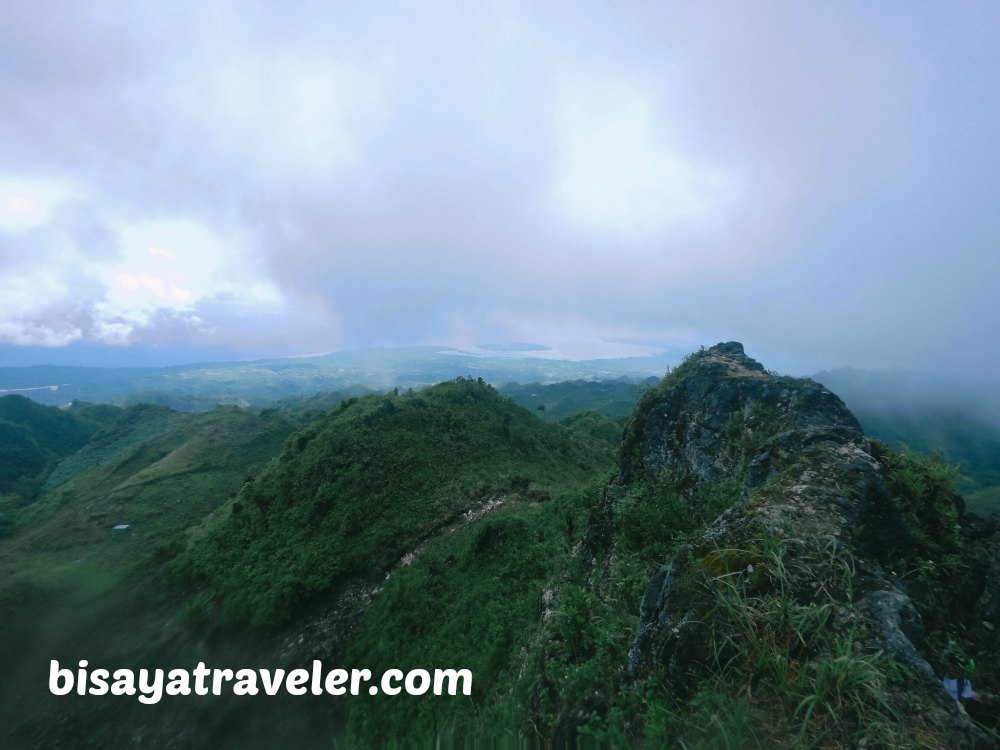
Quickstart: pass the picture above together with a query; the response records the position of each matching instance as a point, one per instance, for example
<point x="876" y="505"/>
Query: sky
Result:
<point x="205" y="180"/>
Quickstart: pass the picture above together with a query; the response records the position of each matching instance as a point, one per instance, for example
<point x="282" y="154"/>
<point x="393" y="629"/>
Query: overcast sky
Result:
<point x="818" y="180"/>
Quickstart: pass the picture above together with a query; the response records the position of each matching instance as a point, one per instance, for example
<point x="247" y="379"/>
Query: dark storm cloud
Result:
<point x="815" y="180"/>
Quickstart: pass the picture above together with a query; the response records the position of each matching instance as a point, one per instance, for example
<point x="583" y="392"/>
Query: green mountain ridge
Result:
<point x="352" y="492"/>
<point x="70" y="583"/>
<point x="930" y="415"/>
<point x="553" y="552"/>
<point x="33" y="440"/>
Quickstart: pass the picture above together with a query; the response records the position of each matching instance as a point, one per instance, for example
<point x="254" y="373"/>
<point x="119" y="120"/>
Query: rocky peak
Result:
<point x="709" y="413"/>
<point x="812" y="532"/>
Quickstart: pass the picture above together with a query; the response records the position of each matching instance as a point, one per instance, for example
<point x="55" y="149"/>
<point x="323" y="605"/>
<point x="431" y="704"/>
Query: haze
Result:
<point x="221" y="179"/>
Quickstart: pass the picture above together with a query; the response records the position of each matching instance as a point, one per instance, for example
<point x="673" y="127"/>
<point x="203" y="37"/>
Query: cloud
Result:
<point x="58" y="290"/>
<point x="29" y="203"/>
<point x="617" y="173"/>
<point x="817" y="181"/>
<point x="159" y="252"/>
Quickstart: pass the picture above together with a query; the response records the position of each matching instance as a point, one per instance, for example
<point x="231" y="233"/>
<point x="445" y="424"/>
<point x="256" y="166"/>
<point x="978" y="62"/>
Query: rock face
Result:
<point x="815" y="527"/>
<point x="690" y="431"/>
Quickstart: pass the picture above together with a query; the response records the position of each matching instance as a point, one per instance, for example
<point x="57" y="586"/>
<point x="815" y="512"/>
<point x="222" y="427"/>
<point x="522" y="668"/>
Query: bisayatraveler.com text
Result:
<point x="150" y="685"/>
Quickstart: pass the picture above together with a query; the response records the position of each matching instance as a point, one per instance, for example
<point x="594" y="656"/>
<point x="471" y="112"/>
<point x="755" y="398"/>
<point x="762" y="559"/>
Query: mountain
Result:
<point x="358" y="489"/>
<point x="825" y="604"/>
<point x="960" y="420"/>
<point x="736" y="566"/>
<point x="557" y="401"/>
<point x="262" y="382"/>
<point x="73" y="586"/>
<point x="33" y="438"/>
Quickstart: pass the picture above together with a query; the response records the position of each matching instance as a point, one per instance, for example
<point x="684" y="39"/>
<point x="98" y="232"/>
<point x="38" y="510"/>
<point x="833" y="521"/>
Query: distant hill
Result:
<point x="259" y="383"/>
<point x="930" y="414"/>
<point x="556" y="401"/>
<point x="515" y="347"/>
<point x="34" y="437"/>
<point x="77" y="584"/>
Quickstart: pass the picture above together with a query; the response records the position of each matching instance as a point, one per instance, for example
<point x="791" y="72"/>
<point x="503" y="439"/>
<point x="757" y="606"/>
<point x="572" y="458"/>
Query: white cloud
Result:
<point x="55" y="290"/>
<point x="27" y="204"/>
<point x="345" y="176"/>
<point x="288" y="118"/>
<point x="618" y="171"/>
<point x="172" y="266"/>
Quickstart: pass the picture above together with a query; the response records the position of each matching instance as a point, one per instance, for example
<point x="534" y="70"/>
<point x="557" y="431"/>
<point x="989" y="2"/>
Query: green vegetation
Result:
<point x="774" y="669"/>
<point x="33" y="438"/>
<point x="556" y="402"/>
<point x="784" y="672"/>
<point x="970" y="445"/>
<point x="73" y="587"/>
<point x="941" y="571"/>
<point x="355" y="491"/>
<point x="933" y="415"/>
<point x="635" y="430"/>
<point x="58" y="431"/>
<point x="475" y="598"/>
<point x="581" y="656"/>
<point x="508" y="596"/>
<point x="450" y="527"/>
<point x="157" y="471"/>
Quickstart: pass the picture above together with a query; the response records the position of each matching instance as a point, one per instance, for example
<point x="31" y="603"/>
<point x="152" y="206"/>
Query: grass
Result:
<point x="160" y="472"/>
<point x="487" y="502"/>
<point x="473" y="600"/>
<point x="71" y="587"/>
<point x="962" y="441"/>
<point x="33" y="440"/>
<point x="779" y="667"/>
<point x="356" y="490"/>
<point x="767" y="647"/>
<point x="984" y="502"/>
<point x="558" y="401"/>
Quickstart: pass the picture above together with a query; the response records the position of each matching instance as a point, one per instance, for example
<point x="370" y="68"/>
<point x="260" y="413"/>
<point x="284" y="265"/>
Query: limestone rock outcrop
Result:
<point x="816" y="528"/>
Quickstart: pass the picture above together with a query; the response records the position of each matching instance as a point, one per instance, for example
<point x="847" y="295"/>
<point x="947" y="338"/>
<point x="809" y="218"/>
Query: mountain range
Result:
<point x="724" y="557"/>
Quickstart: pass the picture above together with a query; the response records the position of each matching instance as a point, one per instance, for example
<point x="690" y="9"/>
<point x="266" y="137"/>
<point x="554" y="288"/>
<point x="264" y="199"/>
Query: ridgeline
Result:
<point x="741" y="567"/>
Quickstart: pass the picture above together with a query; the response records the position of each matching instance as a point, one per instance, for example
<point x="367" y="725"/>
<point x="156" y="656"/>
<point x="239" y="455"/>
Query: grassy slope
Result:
<point x="56" y="430"/>
<point x="557" y="401"/>
<point x="70" y="586"/>
<point x="33" y="438"/>
<point x="350" y="493"/>
<point x="158" y="471"/>
<point x="506" y="597"/>
<point x="504" y="594"/>
<point x="972" y="446"/>
<point x="475" y="599"/>
<point x="355" y="491"/>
